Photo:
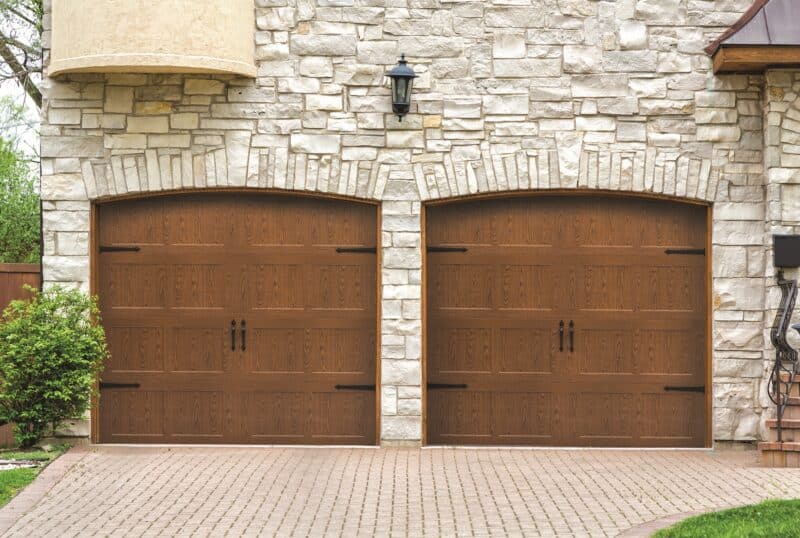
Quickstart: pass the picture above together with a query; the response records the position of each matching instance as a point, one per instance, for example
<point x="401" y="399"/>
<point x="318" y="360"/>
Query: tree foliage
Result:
<point x="21" y="44"/>
<point x="52" y="347"/>
<point x="19" y="209"/>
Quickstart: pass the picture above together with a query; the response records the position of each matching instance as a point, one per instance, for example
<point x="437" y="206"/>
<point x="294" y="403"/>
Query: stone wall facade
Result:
<point x="512" y="95"/>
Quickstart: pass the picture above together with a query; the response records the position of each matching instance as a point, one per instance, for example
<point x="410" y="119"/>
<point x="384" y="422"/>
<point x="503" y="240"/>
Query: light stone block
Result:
<point x="509" y="46"/>
<point x="310" y="143"/>
<point x="632" y="35"/>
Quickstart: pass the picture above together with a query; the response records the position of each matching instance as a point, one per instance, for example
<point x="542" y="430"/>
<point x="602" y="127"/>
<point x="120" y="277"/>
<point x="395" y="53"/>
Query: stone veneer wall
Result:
<point x="521" y="95"/>
<point x="782" y="162"/>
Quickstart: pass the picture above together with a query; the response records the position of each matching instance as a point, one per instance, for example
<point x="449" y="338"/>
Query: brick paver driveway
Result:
<point x="349" y="492"/>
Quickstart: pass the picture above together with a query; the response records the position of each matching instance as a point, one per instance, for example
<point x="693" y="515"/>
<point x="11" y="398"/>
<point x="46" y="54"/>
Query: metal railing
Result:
<point x="786" y="367"/>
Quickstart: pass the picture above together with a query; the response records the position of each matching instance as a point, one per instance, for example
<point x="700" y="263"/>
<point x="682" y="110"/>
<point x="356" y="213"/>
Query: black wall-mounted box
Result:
<point x="787" y="250"/>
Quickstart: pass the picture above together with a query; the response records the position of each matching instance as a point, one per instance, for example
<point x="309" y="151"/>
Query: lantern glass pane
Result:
<point x="401" y="90"/>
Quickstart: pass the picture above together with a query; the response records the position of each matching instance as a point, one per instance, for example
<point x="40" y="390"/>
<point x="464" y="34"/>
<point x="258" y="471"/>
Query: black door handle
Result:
<point x="571" y="336"/>
<point x="561" y="335"/>
<point x="233" y="335"/>
<point x="244" y="335"/>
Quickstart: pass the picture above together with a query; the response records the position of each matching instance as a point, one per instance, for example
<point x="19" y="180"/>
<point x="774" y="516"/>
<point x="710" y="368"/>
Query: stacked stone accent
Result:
<point x="782" y="159"/>
<point x="529" y="95"/>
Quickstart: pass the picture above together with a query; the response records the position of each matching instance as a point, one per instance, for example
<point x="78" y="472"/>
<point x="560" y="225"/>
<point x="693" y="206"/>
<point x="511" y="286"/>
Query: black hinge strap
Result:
<point x="120" y="249"/>
<point x="357" y="250"/>
<point x="447" y="249"/>
<point x="119" y="385"/>
<point x="689" y="251"/>
<point x="355" y="387"/>
<point x="685" y="389"/>
<point x="434" y="386"/>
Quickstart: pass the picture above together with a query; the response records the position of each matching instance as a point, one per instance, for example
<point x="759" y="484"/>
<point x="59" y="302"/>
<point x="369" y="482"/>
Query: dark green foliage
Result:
<point x="52" y="348"/>
<point x="19" y="209"/>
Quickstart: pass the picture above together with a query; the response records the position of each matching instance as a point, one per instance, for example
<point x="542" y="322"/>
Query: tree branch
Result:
<point x="20" y="73"/>
<point x="22" y="46"/>
<point x="8" y="7"/>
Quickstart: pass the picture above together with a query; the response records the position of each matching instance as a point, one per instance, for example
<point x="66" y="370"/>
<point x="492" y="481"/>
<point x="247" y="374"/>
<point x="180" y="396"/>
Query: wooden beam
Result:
<point x="755" y="59"/>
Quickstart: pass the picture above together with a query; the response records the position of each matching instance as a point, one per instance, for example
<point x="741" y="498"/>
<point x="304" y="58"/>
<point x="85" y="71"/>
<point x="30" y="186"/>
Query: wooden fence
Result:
<point x="12" y="278"/>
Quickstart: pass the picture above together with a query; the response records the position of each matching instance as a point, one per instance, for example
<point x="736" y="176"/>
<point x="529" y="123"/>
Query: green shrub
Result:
<point x="52" y="348"/>
<point x="19" y="209"/>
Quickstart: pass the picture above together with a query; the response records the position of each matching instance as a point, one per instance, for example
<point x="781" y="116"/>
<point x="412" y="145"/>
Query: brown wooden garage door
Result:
<point x="571" y="321"/>
<point x="238" y="319"/>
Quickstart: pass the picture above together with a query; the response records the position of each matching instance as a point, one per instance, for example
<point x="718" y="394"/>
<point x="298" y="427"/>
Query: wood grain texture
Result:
<point x="12" y="279"/>
<point x="206" y="260"/>
<point x="639" y="318"/>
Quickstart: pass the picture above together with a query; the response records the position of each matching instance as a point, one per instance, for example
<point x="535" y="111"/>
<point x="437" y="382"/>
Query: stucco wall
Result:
<point x="152" y="35"/>
<point x="541" y="94"/>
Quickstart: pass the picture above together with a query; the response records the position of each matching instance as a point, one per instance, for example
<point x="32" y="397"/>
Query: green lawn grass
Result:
<point x="770" y="519"/>
<point x="13" y="480"/>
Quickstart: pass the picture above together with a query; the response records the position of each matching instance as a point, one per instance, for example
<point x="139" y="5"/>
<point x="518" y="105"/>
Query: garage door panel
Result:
<point x="196" y="220"/>
<point x="671" y="288"/>
<point x="673" y="226"/>
<point x="341" y="225"/>
<point x="135" y="349"/>
<point x="521" y="224"/>
<point x="526" y="351"/>
<point x="340" y="287"/>
<point x="679" y="420"/>
<point x="142" y="224"/>
<point x="273" y="222"/>
<point x="196" y="413"/>
<point x="531" y="287"/>
<point x="274" y="417"/>
<point x="605" y="287"/>
<point x="634" y="322"/>
<point x="270" y="286"/>
<point x="526" y="417"/>
<point x="280" y="351"/>
<point x="604" y="352"/>
<point x="461" y="286"/>
<point x="341" y="351"/>
<point x="342" y="415"/>
<point x="306" y="313"/>
<point x="460" y="350"/>
<point x="671" y="352"/>
<point x="132" y="285"/>
<point x="132" y="414"/>
<point x="197" y="350"/>
<point x="608" y="224"/>
<point x="460" y="417"/>
<point x="471" y="223"/>
<point x="198" y="286"/>
<point x="605" y="416"/>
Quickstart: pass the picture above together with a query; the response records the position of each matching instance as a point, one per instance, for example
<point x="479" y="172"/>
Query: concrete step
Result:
<point x="792" y="410"/>
<point x="795" y="391"/>
<point x="786" y="423"/>
<point x="791" y="429"/>
<point x="785" y="454"/>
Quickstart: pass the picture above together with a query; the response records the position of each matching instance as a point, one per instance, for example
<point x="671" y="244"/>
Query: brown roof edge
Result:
<point x="738" y="25"/>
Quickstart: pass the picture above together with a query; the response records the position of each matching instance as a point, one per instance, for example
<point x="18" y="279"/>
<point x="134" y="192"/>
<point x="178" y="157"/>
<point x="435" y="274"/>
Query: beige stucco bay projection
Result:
<point x="212" y="36"/>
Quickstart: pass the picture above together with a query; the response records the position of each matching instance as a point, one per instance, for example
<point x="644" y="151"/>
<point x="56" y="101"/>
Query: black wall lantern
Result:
<point x="402" y="81"/>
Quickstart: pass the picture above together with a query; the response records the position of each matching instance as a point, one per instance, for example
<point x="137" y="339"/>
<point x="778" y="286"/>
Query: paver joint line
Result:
<point x="151" y="491"/>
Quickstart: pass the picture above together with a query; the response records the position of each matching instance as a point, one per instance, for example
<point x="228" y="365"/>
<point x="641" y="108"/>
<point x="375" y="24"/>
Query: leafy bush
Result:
<point x="52" y="347"/>
<point x="19" y="209"/>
